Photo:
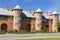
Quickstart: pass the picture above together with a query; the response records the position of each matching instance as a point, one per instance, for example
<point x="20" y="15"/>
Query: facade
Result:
<point x="20" y="20"/>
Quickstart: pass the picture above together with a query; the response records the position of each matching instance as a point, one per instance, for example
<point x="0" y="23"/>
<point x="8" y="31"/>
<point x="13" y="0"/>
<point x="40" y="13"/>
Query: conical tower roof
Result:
<point x="38" y="10"/>
<point x="17" y="7"/>
<point x="55" y="12"/>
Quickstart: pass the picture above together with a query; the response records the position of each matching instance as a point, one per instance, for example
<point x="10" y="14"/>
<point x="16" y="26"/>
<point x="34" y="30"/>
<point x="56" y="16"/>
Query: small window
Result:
<point x="39" y="14"/>
<point x="18" y="11"/>
<point x="39" y="25"/>
<point x="11" y="24"/>
<point x="39" y="19"/>
<point x="11" y="18"/>
<point x="45" y="20"/>
<point x="18" y="24"/>
<point x="18" y="18"/>
<point x="3" y="17"/>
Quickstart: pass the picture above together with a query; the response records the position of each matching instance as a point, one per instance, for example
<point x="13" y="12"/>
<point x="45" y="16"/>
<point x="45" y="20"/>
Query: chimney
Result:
<point x="47" y="13"/>
<point x="29" y="11"/>
<point x="6" y="8"/>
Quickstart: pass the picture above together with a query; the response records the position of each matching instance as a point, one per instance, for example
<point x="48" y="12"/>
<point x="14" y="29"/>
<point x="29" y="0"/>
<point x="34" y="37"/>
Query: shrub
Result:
<point x="15" y="30"/>
<point x="2" y="32"/>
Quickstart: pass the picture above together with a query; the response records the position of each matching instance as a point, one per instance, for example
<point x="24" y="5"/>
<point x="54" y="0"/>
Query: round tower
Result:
<point x="54" y="21"/>
<point x="38" y="15"/>
<point x="17" y="21"/>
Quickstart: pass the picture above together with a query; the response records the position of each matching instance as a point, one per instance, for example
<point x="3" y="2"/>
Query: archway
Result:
<point x="47" y="28"/>
<point x="28" y="28"/>
<point x="4" y="27"/>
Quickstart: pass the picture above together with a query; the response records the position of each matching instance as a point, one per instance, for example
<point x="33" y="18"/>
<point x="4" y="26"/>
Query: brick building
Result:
<point x="20" y="20"/>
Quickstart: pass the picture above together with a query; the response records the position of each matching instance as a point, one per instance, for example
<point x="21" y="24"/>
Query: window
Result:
<point x="3" y="17"/>
<point x="45" y="20"/>
<point x="18" y="11"/>
<point x="39" y="14"/>
<point x="18" y="18"/>
<point x="11" y="18"/>
<point x="11" y="24"/>
<point x="39" y="25"/>
<point x="18" y="24"/>
<point x="39" y="19"/>
<point x="25" y="18"/>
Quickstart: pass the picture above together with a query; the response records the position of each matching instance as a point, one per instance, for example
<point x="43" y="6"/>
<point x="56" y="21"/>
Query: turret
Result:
<point x="54" y="21"/>
<point x="38" y="14"/>
<point x="17" y="11"/>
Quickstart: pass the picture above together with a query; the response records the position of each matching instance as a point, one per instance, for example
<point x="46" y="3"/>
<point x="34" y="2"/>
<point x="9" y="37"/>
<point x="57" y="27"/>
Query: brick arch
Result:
<point x="4" y="27"/>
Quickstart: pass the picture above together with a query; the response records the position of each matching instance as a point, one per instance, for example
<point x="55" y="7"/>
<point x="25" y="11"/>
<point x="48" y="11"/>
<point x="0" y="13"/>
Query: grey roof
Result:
<point x="47" y="17"/>
<point x="17" y="7"/>
<point x="5" y="12"/>
<point x="55" y="12"/>
<point x="9" y="13"/>
<point x="28" y="14"/>
<point x="38" y="10"/>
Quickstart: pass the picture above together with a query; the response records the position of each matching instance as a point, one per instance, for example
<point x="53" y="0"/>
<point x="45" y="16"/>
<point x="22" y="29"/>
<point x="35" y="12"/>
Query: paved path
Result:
<point x="28" y="36"/>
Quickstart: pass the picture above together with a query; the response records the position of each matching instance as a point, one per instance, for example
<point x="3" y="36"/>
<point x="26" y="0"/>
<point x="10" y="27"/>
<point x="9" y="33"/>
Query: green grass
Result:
<point x="25" y="32"/>
<point x="2" y="32"/>
<point x="42" y="39"/>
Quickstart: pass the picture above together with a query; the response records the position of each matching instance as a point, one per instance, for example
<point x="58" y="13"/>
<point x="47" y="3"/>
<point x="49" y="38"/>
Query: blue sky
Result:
<point x="50" y="5"/>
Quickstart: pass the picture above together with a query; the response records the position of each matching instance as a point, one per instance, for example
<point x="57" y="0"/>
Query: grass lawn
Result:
<point x="42" y="39"/>
<point x="23" y="32"/>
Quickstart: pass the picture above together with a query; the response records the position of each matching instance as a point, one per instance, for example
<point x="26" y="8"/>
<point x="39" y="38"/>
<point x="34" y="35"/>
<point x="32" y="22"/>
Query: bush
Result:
<point x="15" y="30"/>
<point x="2" y="32"/>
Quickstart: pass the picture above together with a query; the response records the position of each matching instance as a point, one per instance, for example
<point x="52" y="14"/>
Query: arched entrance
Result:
<point x="47" y="28"/>
<point x="28" y="28"/>
<point x="4" y="27"/>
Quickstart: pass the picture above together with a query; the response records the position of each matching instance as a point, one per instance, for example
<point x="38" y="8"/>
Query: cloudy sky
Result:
<point x="50" y="5"/>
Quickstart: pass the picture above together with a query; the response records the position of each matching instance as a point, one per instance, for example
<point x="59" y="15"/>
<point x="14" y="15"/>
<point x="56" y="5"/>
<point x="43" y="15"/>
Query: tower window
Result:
<point x="39" y="14"/>
<point x="11" y="24"/>
<point x="17" y="24"/>
<point x="18" y="11"/>
<point x="39" y="25"/>
<point x="18" y="18"/>
<point x="39" y="19"/>
<point x="11" y="18"/>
